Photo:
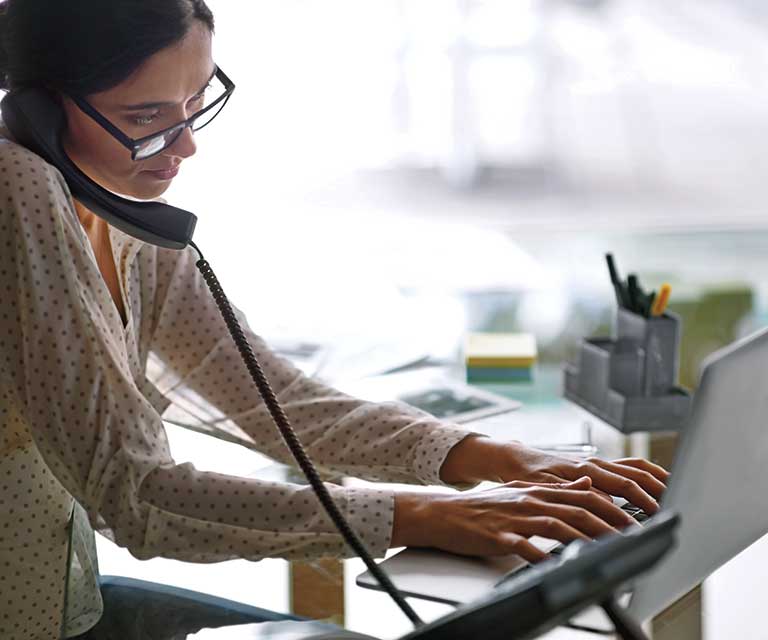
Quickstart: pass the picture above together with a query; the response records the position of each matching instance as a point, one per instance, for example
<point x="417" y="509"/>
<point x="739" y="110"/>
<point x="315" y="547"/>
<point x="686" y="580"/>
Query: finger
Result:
<point x="593" y="503"/>
<point x="546" y="527"/>
<point x="557" y="481"/>
<point x="578" y="518"/>
<point x="515" y="543"/>
<point x="620" y="485"/>
<point x="582" y="483"/>
<point x="546" y="477"/>
<point x="658" y="472"/>
<point x="521" y="484"/>
<point x="647" y="481"/>
<point x="602" y="494"/>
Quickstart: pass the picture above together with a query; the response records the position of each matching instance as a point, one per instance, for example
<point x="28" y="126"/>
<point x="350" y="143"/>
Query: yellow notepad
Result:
<point x="500" y="350"/>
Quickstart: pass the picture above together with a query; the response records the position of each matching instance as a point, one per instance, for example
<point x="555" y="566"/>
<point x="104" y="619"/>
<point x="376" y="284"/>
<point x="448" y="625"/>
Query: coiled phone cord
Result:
<point x="295" y="446"/>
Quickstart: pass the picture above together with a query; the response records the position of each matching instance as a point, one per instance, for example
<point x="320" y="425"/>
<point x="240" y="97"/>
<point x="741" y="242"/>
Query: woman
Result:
<point x="86" y="308"/>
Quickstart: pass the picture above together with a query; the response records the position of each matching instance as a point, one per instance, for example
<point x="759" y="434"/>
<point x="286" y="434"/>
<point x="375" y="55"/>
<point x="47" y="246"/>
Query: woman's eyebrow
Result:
<point x="154" y="105"/>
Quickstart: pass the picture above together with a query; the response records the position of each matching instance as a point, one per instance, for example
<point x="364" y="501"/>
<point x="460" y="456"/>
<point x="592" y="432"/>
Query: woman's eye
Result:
<point x="200" y="97"/>
<point x="144" y="120"/>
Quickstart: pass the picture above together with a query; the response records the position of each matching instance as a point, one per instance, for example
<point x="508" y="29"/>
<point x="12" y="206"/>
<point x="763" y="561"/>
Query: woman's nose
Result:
<point x="184" y="146"/>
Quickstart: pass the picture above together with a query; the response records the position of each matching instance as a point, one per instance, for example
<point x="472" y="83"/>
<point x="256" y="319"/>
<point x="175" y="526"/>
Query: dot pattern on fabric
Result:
<point x="81" y="403"/>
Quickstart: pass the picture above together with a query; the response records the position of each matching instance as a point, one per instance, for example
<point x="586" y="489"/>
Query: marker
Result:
<point x="634" y="294"/>
<point x="660" y="304"/>
<point x="618" y="287"/>
<point x="649" y="304"/>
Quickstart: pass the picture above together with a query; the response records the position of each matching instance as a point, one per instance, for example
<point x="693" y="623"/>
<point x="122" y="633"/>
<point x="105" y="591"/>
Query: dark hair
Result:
<point x="80" y="47"/>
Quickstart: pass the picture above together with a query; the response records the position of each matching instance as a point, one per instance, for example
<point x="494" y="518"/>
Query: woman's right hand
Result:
<point x="500" y="520"/>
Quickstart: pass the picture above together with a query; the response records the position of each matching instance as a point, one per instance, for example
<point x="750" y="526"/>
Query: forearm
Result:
<point x="202" y="516"/>
<point x="344" y="435"/>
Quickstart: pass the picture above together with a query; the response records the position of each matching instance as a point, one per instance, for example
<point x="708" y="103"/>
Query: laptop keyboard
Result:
<point x="637" y="513"/>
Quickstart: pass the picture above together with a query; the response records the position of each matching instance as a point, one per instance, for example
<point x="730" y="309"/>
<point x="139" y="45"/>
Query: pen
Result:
<point x="618" y="287"/>
<point x="649" y="304"/>
<point x="661" y="300"/>
<point x="634" y="294"/>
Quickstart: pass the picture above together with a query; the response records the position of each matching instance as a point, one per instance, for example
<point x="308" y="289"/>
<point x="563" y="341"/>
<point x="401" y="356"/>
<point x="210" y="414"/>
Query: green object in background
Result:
<point x="709" y="323"/>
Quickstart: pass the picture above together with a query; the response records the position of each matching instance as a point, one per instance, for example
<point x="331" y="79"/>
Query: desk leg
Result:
<point x="683" y="619"/>
<point x="317" y="590"/>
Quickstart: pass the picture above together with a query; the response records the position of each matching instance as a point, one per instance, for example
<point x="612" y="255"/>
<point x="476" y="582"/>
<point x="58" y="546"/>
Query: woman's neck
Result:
<point x="97" y="231"/>
<point x="95" y="227"/>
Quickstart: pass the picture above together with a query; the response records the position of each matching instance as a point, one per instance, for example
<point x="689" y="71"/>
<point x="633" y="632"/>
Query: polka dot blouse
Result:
<point x="82" y="443"/>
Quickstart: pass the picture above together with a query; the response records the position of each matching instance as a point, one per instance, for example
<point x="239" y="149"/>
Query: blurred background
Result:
<point x="404" y="170"/>
<point x="391" y="174"/>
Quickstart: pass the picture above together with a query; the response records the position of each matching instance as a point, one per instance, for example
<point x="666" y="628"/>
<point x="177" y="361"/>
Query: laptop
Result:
<point x="723" y="449"/>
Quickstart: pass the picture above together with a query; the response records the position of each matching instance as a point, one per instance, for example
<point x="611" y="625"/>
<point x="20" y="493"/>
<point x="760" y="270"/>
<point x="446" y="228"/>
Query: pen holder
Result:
<point x="630" y="380"/>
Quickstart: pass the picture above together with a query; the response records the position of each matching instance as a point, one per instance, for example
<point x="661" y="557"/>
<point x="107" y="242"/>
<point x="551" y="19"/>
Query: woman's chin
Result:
<point x="143" y="189"/>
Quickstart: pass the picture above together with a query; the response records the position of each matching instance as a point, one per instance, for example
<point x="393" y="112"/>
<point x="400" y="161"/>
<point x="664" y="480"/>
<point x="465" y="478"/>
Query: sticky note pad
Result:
<point x="508" y="350"/>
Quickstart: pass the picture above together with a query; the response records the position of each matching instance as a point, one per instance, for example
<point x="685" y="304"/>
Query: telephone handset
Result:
<point x="36" y="121"/>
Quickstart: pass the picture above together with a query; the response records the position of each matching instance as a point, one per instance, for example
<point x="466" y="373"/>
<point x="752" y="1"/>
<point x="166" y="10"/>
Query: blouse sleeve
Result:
<point x="199" y="367"/>
<point x="63" y="354"/>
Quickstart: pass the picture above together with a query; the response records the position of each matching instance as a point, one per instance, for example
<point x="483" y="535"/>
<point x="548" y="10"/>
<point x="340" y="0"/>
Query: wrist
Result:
<point x="472" y="460"/>
<point x="411" y="518"/>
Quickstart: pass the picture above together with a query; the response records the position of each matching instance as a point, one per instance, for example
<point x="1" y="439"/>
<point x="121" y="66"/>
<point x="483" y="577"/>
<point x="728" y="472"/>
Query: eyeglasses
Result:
<point x="151" y="145"/>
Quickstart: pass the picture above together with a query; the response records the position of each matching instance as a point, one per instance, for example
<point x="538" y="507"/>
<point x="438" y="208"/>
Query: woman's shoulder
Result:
<point x="18" y="165"/>
<point x="34" y="198"/>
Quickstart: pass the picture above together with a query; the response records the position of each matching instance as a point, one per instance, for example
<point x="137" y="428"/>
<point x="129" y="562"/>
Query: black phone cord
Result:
<point x="292" y="441"/>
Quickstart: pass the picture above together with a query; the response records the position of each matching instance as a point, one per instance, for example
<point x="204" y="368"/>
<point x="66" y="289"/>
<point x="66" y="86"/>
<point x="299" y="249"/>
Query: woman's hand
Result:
<point x="499" y="521"/>
<point x="475" y="458"/>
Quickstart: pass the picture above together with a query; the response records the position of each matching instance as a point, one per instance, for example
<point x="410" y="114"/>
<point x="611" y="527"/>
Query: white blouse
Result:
<point x="82" y="443"/>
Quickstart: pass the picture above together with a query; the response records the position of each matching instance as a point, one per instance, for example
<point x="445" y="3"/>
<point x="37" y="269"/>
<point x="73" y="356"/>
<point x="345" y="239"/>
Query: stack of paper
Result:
<point x="500" y="357"/>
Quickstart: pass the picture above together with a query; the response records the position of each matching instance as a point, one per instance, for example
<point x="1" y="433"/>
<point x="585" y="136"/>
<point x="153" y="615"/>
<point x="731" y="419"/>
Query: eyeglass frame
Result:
<point x="134" y="144"/>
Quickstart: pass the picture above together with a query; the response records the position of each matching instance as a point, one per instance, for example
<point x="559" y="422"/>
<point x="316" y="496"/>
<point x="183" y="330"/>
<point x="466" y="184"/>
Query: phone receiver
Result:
<point x="36" y="121"/>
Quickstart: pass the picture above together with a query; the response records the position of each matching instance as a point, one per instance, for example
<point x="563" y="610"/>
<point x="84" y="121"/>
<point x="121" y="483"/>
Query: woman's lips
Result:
<point x="164" y="174"/>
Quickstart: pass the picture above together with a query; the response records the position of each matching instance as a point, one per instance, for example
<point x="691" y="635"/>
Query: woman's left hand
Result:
<point x="639" y="481"/>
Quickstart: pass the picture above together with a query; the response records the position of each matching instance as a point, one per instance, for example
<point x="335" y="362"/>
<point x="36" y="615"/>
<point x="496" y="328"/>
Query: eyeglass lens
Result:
<point x="155" y="145"/>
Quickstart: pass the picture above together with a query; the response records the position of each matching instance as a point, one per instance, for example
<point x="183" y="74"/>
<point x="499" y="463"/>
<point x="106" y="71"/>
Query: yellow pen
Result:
<point x="660" y="304"/>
